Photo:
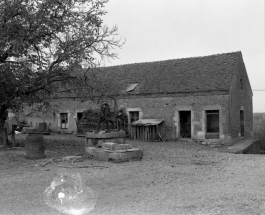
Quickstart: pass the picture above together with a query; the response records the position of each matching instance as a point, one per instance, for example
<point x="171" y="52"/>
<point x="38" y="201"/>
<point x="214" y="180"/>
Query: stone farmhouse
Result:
<point x="207" y="98"/>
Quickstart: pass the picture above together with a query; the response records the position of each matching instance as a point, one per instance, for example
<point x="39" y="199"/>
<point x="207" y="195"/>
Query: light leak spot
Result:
<point x="69" y="195"/>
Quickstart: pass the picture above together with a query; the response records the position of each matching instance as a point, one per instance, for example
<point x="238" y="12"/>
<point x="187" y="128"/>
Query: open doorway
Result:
<point x="185" y="124"/>
<point x="79" y="116"/>
<point x="212" y="123"/>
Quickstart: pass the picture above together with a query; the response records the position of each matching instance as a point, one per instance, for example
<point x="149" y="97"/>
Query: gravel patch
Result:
<point x="173" y="178"/>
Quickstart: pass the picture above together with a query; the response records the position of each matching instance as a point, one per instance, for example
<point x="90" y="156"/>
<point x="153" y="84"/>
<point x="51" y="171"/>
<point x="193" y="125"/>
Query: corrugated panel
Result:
<point x="148" y="122"/>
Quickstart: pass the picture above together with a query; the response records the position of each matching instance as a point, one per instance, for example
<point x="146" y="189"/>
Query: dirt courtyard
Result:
<point x="173" y="178"/>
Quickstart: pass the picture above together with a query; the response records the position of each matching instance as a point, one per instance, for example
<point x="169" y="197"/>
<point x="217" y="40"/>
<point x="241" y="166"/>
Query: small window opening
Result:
<point x="242" y="123"/>
<point x="131" y="87"/>
<point x="134" y="116"/>
<point x="63" y="120"/>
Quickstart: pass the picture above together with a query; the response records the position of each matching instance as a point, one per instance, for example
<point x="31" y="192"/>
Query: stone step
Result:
<point x="124" y="146"/>
<point x="114" y="146"/>
<point x="126" y="155"/>
<point x="110" y="146"/>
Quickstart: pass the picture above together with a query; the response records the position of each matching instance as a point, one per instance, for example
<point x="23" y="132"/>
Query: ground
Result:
<point x="173" y="178"/>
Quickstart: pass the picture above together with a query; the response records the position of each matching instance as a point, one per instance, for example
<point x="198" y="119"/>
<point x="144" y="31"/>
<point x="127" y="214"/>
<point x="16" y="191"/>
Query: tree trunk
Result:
<point x="13" y="135"/>
<point x="5" y="137"/>
<point x="3" y="130"/>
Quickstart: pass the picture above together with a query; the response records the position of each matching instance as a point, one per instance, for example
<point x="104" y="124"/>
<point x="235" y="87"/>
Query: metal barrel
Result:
<point x="42" y="126"/>
<point x="34" y="146"/>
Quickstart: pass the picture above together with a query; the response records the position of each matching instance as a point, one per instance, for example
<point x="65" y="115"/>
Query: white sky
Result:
<point x="169" y="29"/>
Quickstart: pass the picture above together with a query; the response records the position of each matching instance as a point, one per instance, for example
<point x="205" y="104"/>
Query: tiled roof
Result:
<point x="196" y="74"/>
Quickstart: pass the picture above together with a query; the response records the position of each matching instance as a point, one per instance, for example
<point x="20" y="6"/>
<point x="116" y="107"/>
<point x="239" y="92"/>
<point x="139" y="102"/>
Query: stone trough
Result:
<point x="110" y="146"/>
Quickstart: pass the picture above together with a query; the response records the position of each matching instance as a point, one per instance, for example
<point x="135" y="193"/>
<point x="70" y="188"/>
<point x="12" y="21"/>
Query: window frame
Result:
<point x="211" y="113"/>
<point x="135" y="118"/>
<point x="66" y="116"/>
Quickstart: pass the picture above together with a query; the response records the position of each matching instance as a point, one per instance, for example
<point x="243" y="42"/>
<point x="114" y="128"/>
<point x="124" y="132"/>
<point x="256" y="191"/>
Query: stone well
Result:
<point x="111" y="147"/>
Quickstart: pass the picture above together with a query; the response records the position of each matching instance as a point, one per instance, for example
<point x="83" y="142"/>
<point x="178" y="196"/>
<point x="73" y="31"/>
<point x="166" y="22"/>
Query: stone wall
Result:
<point x="167" y="108"/>
<point x="33" y="118"/>
<point x="157" y="108"/>
<point x="241" y="99"/>
<point x="70" y="106"/>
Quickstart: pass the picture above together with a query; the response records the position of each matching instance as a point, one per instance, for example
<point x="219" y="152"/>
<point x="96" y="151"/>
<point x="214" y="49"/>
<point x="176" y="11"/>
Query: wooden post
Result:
<point x="149" y="133"/>
<point x="13" y="135"/>
<point x="86" y="142"/>
<point x="157" y="132"/>
<point x="145" y="138"/>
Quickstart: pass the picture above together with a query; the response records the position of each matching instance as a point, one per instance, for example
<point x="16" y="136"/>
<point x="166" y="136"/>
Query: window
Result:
<point x="131" y="87"/>
<point x="134" y="116"/>
<point x="64" y="120"/>
<point x="212" y="121"/>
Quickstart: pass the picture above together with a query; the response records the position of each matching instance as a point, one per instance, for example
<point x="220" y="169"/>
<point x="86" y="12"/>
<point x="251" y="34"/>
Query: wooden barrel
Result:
<point x="34" y="146"/>
<point x="42" y="126"/>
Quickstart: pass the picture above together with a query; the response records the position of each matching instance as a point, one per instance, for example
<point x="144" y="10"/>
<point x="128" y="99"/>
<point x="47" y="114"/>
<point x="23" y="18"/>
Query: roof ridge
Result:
<point x="149" y="62"/>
